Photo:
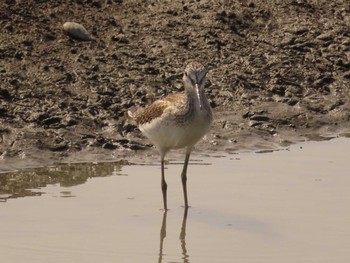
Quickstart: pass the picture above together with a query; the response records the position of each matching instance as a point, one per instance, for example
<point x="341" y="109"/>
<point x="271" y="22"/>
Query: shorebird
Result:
<point x="177" y="121"/>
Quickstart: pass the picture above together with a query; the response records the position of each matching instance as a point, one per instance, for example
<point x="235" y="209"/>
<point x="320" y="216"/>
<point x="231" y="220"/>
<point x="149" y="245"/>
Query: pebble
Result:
<point x="76" y="30"/>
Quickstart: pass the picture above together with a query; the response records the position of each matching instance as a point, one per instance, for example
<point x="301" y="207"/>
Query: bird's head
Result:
<point x="194" y="79"/>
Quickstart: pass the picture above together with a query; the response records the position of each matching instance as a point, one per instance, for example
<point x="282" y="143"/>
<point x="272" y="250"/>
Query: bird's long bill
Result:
<point x="198" y="96"/>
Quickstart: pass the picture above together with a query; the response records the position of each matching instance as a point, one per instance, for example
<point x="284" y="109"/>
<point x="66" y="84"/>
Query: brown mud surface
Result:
<point x="279" y="72"/>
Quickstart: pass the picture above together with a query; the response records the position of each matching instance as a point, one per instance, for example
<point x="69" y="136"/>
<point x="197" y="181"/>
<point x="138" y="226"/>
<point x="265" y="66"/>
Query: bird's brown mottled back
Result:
<point x="156" y="109"/>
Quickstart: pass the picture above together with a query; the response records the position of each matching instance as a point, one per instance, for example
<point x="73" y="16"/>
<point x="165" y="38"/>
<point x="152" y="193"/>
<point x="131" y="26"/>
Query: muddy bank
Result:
<point x="279" y="72"/>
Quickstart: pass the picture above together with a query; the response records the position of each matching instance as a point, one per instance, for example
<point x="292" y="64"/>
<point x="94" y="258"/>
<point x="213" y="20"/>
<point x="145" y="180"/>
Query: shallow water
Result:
<point x="291" y="205"/>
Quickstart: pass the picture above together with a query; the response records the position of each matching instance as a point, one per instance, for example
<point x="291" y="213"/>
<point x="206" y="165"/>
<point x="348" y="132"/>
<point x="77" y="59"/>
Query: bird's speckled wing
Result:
<point x="157" y="108"/>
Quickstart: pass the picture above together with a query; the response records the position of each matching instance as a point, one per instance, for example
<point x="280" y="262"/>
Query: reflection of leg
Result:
<point x="183" y="237"/>
<point x="184" y="176"/>
<point x="163" y="184"/>
<point x="162" y="236"/>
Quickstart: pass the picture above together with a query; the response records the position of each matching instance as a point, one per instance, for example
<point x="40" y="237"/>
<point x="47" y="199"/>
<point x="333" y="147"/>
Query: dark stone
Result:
<point x="109" y="146"/>
<point x="259" y="118"/>
<point x="51" y="120"/>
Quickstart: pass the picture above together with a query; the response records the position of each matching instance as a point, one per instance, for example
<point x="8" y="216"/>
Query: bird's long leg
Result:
<point x="184" y="176"/>
<point x="164" y="185"/>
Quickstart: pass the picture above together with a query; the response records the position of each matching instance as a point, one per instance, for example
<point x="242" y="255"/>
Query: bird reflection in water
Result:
<point x="185" y="256"/>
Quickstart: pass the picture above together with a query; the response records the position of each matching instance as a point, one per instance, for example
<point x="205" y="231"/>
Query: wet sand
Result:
<point x="290" y="205"/>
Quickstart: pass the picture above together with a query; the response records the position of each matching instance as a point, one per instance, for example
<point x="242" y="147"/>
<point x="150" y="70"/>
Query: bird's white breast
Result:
<point x="166" y="133"/>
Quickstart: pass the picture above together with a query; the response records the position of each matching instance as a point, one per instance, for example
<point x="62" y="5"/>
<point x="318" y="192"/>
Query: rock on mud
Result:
<point x="76" y="30"/>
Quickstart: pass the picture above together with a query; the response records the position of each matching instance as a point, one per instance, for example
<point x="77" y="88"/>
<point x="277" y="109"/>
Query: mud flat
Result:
<point x="279" y="72"/>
